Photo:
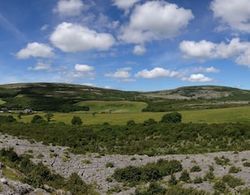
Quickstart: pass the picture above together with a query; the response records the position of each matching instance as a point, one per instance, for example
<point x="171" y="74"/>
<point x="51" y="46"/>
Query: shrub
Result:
<point x="7" y="119"/>
<point x="49" y="116"/>
<point x="149" y="122"/>
<point x="76" y="121"/>
<point x="173" y="117"/>
<point x="185" y="176"/>
<point x="195" y="169"/>
<point x="234" y="169"/>
<point x="246" y="164"/>
<point x="131" y="123"/>
<point x="172" y="180"/>
<point x="153" y="189"/>
<point x="223" y="161"/>
<point x="148" y="172"/>
<point x="209" y="176"/>
<point x="109" y="165"/>
<point x="197" y="180"/>
<point x="232" y="181"/>
<point x="37" y="119"/>
<point x="220" y="186"/>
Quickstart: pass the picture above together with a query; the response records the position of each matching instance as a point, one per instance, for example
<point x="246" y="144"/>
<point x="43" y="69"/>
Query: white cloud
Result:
<point x="202" y="49"/>
<point x="35" y="50"/>
<point x="155" y="20"/>
<point x="234" y="13"/>
<point x="125" y="4"/>
<point x="83" y="68"/>
<point x="197" y="78"/>
<point x="208" y="50"/>
<point x="139" y="50"/>
<point x="123" y="73"/>
<point x="156" y="73"/>
<point x="41" y="67"/>
<point x="69" y="7"/>
<point x="74" y="38"/>
<point x="210" y="69"/>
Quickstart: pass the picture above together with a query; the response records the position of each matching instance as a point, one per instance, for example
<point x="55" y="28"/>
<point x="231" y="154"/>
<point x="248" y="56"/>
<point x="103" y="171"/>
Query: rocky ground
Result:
<point x="92" y="167"/>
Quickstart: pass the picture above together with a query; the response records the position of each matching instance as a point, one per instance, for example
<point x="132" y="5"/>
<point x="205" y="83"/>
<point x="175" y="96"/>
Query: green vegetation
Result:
<point x="227" y="115"/>
<point x="156" y="189"/>
<point x="195" y="168"/>
<point x="246" y="164"/>
<point x="151" y="139"/>
<point x="232" y="181"/>
<point x="38" y="175"/>
<point x="113" y="106"/>
<point x="76" y="120"/>
<point x="147" y="173"/>
<point x="234" y="169"/>
<point x="185" y="177"/>
<point x="2" y="102"/>
<point x="223" y="161"/>
<point x="173" y="117"/>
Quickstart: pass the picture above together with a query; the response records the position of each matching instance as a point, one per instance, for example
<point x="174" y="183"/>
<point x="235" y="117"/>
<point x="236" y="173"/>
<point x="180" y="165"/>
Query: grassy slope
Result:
<point x="239" y="114"/>
<point x="2" y="102"/>
<point x="114" y="106"/>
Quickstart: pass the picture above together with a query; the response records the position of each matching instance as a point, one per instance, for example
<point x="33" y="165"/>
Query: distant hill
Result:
<point x="202" y="92"/>
<point x="67" y="97"/>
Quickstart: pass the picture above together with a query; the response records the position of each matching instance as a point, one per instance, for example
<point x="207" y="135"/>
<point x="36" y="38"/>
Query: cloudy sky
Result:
<point x="126" y="44"/>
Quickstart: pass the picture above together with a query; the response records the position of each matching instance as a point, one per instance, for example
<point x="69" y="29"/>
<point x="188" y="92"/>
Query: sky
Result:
<point x="142" y="45"/>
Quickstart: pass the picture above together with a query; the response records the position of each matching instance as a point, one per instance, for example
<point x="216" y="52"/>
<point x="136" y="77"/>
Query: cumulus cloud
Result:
<point x="125" y="4"/>
<point x="83" y="68"/>
<point x="197" y="78"/>
<point x="139" y="50"/>
<point x="35" y="50"/>
<point x="74" y="38"/>
<point x="234" y="13"/>
<point x="40" y="66"/>
<point x="156" y="73"/>
<point x="123" y="73"/>
<point x="208" y="50"/>
<point x="69" y="7"/>
<point x="155" y="20"/>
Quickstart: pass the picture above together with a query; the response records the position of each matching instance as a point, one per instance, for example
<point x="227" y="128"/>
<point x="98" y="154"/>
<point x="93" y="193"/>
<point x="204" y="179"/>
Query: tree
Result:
<point x="149" y="122"/>
<point x="37" y="119"/>
<point x="20" y="114"/>
<point x="76" y="120"/>
<point x="173" y="117"/>
<point x="49" y="116"/>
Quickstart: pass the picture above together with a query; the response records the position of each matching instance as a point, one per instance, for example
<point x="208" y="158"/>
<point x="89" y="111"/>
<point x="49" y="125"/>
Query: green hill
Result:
<point x="68" y="97"/>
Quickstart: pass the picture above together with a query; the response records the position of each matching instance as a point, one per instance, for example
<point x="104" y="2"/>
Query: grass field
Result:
<point x="113" y="106"/>
<point x="239" y="114"/>
<point x="2" y="102"/>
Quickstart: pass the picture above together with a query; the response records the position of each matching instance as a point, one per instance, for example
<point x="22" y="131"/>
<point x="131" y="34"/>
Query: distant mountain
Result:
<point x="64" y="97"/>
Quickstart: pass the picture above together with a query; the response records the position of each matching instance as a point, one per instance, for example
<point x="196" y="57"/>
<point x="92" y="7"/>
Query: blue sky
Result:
<point x="126" y="44"/>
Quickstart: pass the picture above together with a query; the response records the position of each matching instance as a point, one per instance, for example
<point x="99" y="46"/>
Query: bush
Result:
<point x="37" y="119"/>
<point x="76" y="121"/>
<point x="223" y="161"/>
<point x="198" y="180"/>
<point x="246" y="164"/>
<point x="173" y="117"/>
<point x="148" y="172"/>
<point x="232" y="181"/>
<point x="109" y="165"/>
<point x="131" y="123"/>
<point x="195" y="169"/>
<point x="7" y="119"/>
<point x="219" y="186"/>
<point x="234" y="169"/>
<point x="153" y="189"/>
<point x="149" y="122"/>
<point x="185" y="176"/>
<point x="172" y="180"/>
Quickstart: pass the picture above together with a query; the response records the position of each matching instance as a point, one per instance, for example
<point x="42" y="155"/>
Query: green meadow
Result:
<point x="225" y="115"/>
<point x="113" y="106"/>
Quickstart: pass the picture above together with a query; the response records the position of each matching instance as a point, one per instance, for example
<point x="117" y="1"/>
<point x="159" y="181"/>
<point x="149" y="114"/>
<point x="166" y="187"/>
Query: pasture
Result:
<point x="113" y="106"/>
<point x="225" y="115"/>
